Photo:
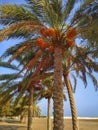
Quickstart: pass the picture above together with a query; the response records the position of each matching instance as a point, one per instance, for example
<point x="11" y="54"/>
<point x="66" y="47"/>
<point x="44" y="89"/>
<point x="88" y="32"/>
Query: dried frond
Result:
<point x="39" y="66"/>
<point x="20" y="87"/>
<point x="43" y="65"/>
<point x="32" y="62"/>
<point x="42" y="76"/>
<point x="29" y="26"/>
<point x="47" y="64"/>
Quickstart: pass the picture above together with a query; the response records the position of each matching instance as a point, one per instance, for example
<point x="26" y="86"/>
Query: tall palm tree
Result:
<point x="79" y="64"/>
<point x="52" y="26"/>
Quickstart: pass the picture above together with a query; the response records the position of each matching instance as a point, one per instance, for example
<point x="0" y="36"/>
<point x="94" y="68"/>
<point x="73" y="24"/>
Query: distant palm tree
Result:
<point x="52" y="26"/>
<point x="21" y="108"/>
<point x="47" y="94"/>
<point x="17" y="87"/>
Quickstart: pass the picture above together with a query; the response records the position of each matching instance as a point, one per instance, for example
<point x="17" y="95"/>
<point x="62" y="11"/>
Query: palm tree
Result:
<point x="21" y="108"/>
<point x="47" y="93"/>
<point x="79" y="64"/>
<point x="11" y="87"/>
<point x="46" y="25"/>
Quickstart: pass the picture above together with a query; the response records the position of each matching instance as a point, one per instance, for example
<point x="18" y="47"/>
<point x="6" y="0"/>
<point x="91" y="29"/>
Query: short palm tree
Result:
<point x="17" y="87"/>
<point x="52" y="26"/>
<point x="21" y="108"/>
<point x="47" y="94"/>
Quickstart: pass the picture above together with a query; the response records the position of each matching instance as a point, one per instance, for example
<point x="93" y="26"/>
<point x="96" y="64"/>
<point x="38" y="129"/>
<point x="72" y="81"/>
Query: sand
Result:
<point x="40" y="124"/>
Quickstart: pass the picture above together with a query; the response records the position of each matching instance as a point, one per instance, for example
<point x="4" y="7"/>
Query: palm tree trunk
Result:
<point x="58" y="91"/>
<point x="48" y="116"/>
<point x="30" y="112"/>
<point x="72" y="103"/>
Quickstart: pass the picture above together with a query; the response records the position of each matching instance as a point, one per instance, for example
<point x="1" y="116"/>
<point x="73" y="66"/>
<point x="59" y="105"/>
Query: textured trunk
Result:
<point x="48" y="116"/>
<point x="58" y="91"/>
<point x="72" y="103"/>
<point x="30" y="112"/>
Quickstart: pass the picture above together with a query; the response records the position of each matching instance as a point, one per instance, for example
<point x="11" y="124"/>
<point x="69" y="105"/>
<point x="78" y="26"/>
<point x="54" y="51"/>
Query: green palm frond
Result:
<point x="14" y="49"/>
<point x="89" y="29"/>
<point x="48" y="12"/>
<point x="11" y="51"/>
<point x="6" y="84"/>
<point x="8" y="76"/>
<point x="86" y="3"/>
<point x="8" y="65"/>
<point x="68" y="6"/>
<point x="20" y="50"/>
<point x="13" y="13"/>
<point x="75" y="82"/>
<point x="87" y="13"/>
<point x="96" y="67"/>
<point x="19" y="96"/>
<point x="90" y="32"/>
<point x="94" y="80"/>
<point x="8" y="91"/>
<point x="6" y="98"/>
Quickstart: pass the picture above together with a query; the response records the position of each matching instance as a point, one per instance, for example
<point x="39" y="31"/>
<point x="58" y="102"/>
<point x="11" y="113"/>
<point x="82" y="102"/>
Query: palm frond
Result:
<point x="86" y="3"/>
<point x="68" y="6"/>
<point x="18" y="28"/>
<point x="42" y="76"/>
<point x="8" y="76"/>
<point x="32" y="62"/>
<point x="39" y="66"/>
<point x="14" y="13"/>
<point x="8" y="65"/>
<point x="13" y="49"/>
<point x="94" y="80"/>
<point x="25" y="47"/>
<point x="6" y="97"/>
<point x="90" y="32"/>
<point x="43" y="65"/>
<point x="86" y="13"/>
<point x="48" y="12"/>
<point x="75" y="82"/>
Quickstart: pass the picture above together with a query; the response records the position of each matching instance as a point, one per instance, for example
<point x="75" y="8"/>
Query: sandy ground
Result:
<point x="12" y="126"/>
<point x="40" y="124"/>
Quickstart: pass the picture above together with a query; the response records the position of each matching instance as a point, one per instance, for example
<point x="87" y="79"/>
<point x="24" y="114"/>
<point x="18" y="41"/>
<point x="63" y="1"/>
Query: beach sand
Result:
<point x="40" y="124"/>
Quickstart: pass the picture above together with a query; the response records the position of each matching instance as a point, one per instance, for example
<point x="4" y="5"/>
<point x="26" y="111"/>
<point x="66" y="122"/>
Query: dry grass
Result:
<point x="40" y="124"/>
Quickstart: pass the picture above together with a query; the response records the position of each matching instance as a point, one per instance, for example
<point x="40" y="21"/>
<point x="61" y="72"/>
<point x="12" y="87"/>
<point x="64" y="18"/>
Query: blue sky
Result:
<point x="85" y="98"/>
